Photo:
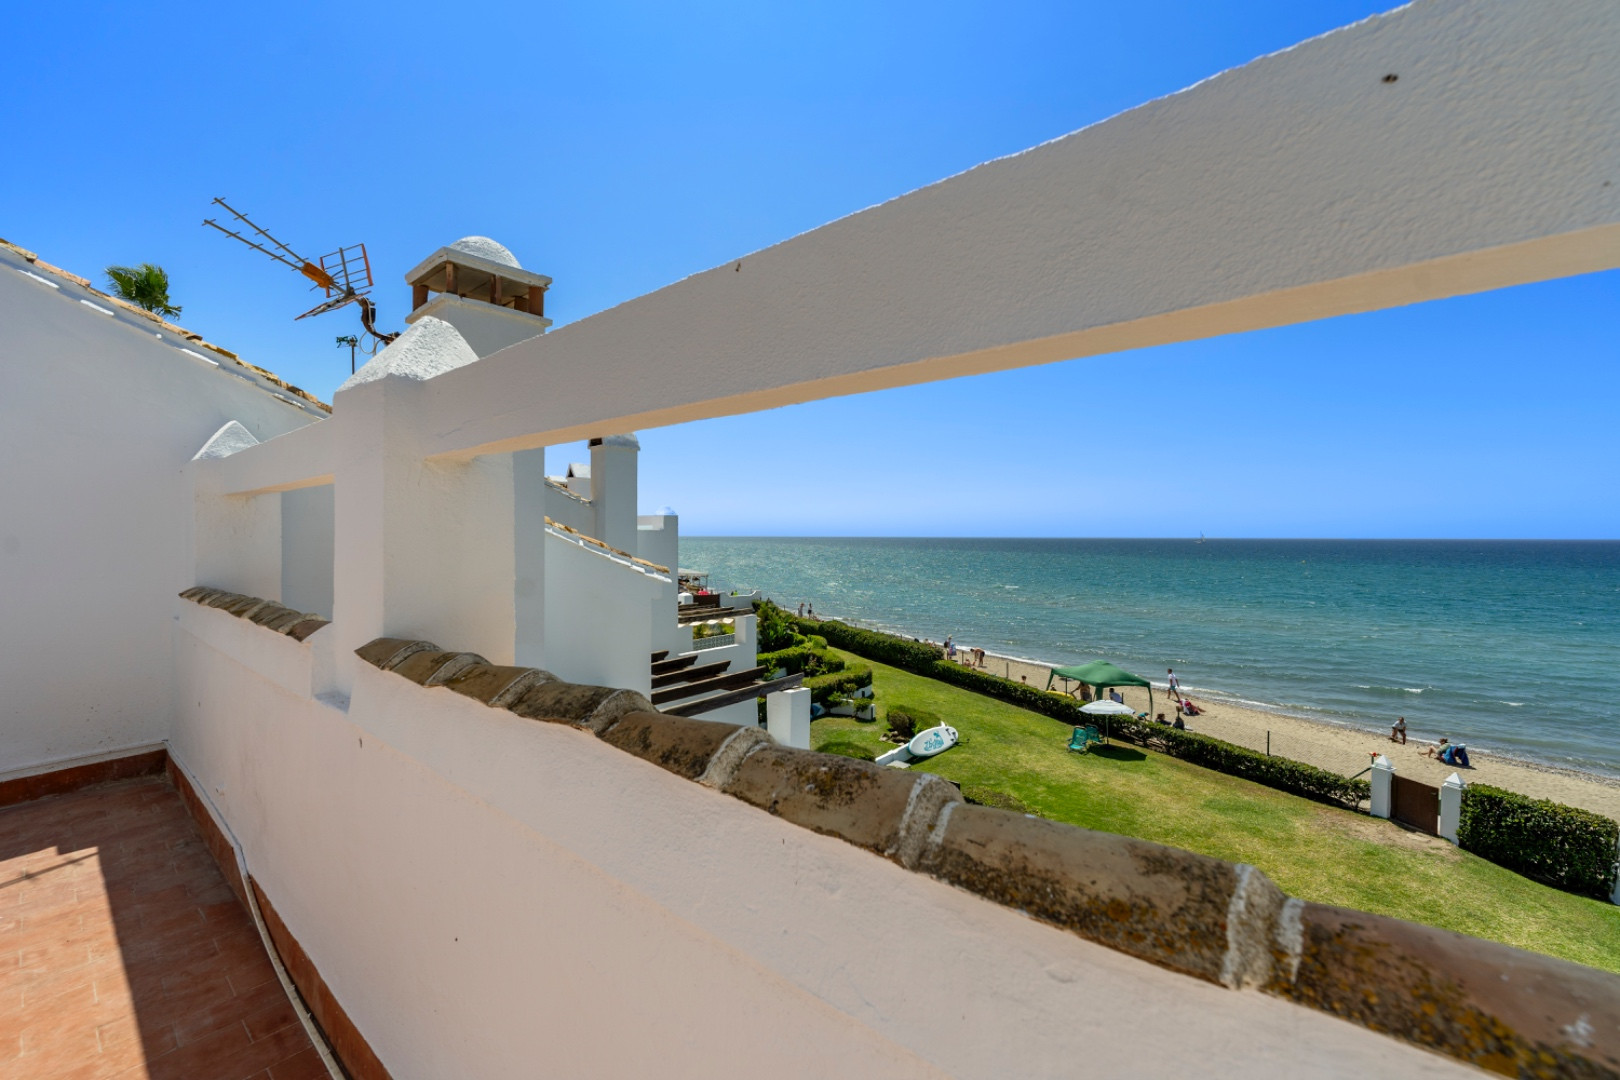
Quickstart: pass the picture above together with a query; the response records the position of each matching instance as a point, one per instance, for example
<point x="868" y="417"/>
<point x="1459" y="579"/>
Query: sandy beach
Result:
<point x="1348" y="750"/>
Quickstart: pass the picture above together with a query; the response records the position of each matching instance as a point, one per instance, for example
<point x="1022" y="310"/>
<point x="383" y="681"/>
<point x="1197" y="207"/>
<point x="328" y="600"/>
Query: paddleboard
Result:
<point x="936" y="740"/>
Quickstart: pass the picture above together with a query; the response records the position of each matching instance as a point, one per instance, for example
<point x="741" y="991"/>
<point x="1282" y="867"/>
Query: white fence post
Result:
<point x="1383" y="779"/>
<point x="1451" y="806"/>
<point x="787" y="717"/>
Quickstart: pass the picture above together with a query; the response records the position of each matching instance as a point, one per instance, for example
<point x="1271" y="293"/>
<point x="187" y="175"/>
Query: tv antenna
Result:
<point x="344" y="275"/>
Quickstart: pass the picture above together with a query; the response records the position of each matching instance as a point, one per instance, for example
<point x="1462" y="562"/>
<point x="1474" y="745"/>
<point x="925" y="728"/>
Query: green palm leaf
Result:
<point x="145" y="285"/>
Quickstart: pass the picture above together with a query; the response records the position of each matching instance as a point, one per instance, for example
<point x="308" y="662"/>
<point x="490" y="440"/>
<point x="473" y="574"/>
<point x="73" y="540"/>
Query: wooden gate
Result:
<point x="1416" y="804"/>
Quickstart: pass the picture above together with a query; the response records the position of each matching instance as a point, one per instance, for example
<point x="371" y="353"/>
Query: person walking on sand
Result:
<point x="1175" y="683"/>
<point x="1397" y="730"/>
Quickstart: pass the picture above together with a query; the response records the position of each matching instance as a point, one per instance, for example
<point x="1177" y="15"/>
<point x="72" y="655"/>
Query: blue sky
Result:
<point x="619" y="147"/>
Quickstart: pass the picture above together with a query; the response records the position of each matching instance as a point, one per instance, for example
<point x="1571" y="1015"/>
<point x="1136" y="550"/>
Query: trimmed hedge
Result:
<point x="805" y="658"/>
<point x="1557" y="845"/>
<point x="838" y="683"/>
<point x="884" y="648"/>
<point x="1294" y="777"/>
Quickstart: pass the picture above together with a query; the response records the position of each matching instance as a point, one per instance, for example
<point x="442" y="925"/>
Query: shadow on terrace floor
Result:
<point x="123" y="953"/>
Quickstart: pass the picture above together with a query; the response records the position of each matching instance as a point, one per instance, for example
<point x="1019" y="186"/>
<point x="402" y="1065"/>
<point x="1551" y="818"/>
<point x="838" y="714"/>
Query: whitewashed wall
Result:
<point x="491" y="897"/>
<point x="599" y="616"/>
<point x="98" y="416"/>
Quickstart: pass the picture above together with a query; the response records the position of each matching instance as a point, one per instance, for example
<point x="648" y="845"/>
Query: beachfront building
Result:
<point x="423" y="814"/>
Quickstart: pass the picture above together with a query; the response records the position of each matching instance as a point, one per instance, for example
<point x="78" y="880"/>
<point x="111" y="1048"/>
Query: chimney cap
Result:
<point x="485" y="248"/>
<point x="482" y="265"/>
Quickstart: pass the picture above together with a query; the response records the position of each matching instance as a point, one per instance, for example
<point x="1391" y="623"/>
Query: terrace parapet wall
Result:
<point x="1506" y="1010"/>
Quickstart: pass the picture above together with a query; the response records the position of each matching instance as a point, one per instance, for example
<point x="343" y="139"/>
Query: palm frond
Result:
<point x="145" y="285"/>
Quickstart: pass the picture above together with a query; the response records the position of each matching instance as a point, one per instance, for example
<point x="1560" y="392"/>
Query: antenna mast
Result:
<point x="344" y="275"/>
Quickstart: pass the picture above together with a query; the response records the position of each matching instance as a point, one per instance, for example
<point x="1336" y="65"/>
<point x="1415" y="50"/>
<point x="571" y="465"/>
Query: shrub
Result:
<point x="1294" y="777"/>
<point x="1557" y="845"/>
<point x="805" y="658"/>
<point x="906" y="720"/>
<point x="838" y="683"/>
<point x="775" y="627"/>
<point x="888" y="649"/>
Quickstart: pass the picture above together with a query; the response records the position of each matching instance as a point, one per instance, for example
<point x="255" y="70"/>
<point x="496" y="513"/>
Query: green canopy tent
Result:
<point x="1101" y="674"/>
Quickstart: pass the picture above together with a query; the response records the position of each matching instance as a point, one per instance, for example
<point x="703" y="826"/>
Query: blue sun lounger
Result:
<point x="1083" y="738"/>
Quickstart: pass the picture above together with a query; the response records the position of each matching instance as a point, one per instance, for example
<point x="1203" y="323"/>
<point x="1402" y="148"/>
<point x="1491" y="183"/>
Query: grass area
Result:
<point x="1316" y="852"/>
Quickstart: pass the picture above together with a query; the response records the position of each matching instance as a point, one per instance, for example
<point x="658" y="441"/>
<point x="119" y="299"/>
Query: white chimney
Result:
<point x="477" y="286"/>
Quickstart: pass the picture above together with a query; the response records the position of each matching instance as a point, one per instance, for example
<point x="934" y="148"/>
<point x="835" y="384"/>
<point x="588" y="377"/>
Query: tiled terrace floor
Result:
<point x="123" y="953"/>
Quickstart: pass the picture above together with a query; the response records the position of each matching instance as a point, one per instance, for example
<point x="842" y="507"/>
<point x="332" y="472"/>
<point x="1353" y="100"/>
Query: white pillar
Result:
<point x="614" y="491"/>
<point x="235" y="539"/>
<point x="787" y="717"/>
<point x="1383" y="779"/>
<point x="1451" y="806"/>
<point x="421" y="548"/>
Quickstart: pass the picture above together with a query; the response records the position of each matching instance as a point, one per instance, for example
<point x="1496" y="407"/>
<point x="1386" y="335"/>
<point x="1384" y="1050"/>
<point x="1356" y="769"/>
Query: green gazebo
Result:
<point x="1101" y="674"/>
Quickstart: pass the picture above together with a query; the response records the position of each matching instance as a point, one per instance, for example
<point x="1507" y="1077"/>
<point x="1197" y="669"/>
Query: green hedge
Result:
<point x="1557" y="845"/>
<point x="884" y="648"/>
<point x="838" y="683"/>
<point x="805" y="658"/>
<point x="1294" y="777"/>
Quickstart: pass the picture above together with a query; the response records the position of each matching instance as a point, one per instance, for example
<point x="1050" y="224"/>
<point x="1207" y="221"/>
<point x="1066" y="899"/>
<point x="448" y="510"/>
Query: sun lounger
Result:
<point x="1083" y="738"/>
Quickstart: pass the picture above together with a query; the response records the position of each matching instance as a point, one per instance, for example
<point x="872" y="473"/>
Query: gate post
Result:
<point x="1383" y="779"/>
<point x="1451" y="806"/>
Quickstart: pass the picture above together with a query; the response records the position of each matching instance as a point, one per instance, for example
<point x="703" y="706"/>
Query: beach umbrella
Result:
<point x="1107" y="708"/>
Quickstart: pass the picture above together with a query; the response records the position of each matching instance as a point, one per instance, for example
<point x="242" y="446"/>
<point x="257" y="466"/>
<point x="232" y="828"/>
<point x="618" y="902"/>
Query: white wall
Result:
<point x="658" y="539"/>
<point x="306" y="549"/>
<point x="98" y="417"/>
<point x="488" y="896"/>
<point x="598" y="616"/>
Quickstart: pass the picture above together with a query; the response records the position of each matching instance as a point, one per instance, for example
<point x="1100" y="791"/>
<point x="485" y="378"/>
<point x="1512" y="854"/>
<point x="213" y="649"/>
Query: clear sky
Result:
<point x="619" y="147"/>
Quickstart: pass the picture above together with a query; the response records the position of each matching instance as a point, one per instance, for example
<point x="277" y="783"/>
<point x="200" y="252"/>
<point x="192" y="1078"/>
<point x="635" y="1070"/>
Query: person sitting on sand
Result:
<point x="1180" y="724"/>
<point x="1450" y="754"/>
<point x="1115" y="695"/>
<point x="1161" y="719"/>
<point x="1397" y="731"/>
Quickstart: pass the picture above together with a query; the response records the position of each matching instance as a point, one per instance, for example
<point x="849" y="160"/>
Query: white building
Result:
<point x="453" y="810"/>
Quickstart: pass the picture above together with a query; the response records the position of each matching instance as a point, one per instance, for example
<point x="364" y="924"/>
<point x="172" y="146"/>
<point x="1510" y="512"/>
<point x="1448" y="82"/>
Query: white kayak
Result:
<point x="936" y="740"/>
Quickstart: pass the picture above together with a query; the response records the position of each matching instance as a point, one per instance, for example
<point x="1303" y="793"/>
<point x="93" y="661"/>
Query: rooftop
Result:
<point x="126" y="954"/>
<point x="28" y="263"/>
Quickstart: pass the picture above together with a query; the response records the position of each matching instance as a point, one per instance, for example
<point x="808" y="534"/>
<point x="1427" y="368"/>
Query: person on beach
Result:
<point x="1449" y="754"/>
<point x="812" y="612"/>
<point x="1397" y="730"/>
<point x="950" y="648"/>
<point x="1116" y="696"/>
<point x="1175" y="683"/>
<point x="801" y="609"/>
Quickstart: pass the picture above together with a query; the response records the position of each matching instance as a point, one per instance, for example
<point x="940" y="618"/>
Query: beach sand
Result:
<point x="1348" y="750"/>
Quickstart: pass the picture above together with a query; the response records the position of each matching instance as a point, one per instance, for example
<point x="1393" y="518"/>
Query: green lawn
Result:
<point x="1312" y="851"/>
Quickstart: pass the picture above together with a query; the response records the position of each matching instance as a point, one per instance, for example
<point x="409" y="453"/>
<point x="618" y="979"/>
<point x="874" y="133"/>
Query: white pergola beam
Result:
<point x="1304" y="185"/>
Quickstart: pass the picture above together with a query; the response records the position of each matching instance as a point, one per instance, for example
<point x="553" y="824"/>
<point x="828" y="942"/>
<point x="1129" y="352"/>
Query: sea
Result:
<point x="1509" y="646"/>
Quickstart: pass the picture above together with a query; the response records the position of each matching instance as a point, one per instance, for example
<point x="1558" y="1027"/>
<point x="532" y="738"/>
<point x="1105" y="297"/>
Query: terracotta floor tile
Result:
<point x="304" y="1065"/>
<point x="123" y="952"/>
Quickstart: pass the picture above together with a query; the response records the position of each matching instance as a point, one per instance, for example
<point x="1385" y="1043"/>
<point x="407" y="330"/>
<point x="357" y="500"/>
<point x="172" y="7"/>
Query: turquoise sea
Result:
<point x="1509" y="646"/>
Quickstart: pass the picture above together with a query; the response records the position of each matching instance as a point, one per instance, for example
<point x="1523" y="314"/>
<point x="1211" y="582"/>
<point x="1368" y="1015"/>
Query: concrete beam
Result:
<point x="1441" y="149"/>
<point x="301" y="458"/>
